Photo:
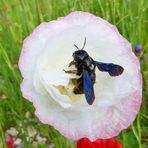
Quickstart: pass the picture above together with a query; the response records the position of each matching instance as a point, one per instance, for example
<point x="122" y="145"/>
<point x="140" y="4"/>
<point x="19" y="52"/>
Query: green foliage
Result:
<point x="18" y="18"/>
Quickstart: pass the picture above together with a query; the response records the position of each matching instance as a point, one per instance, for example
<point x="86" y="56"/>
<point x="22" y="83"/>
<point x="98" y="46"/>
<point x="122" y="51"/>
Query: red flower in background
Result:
<point x="99" y="143"/>
<point x="5" y="8"/>
<point x="10" y="141"/>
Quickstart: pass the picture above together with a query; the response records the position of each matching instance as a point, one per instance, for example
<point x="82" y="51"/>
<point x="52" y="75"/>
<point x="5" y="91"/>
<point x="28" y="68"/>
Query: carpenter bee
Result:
<point x="85" y="66"/>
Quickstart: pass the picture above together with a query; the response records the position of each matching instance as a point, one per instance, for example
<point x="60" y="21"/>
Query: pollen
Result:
<point x="69" y="91"/>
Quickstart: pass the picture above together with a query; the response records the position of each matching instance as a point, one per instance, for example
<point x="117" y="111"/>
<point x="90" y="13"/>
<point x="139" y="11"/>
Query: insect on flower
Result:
<point x="86" y="70"/>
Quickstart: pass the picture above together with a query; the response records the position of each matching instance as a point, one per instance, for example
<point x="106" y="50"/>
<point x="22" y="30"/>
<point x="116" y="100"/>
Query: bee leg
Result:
<point x="72" y="63"/>
<point x="74" y="81"/>
<point x="78" y="89"/>
<point x="70" y="71"/>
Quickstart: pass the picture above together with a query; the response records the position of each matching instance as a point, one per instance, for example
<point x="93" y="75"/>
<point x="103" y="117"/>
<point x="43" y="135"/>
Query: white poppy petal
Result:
<point x="48" y="51"/>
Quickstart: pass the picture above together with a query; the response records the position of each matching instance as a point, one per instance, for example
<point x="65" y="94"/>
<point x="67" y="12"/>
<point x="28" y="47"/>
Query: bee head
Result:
<point x="80" y="55"/>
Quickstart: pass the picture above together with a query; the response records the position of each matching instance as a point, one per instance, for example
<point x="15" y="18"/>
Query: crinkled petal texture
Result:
<point x="48" y="50"/>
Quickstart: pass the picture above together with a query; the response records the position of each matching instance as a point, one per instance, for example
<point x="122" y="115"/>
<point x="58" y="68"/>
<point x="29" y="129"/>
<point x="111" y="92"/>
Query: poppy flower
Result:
<point x="48" y="51"/>
<point x="99" y="143"/>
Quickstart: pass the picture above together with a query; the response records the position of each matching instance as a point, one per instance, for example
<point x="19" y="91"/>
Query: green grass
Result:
<point x="18" y="18"/>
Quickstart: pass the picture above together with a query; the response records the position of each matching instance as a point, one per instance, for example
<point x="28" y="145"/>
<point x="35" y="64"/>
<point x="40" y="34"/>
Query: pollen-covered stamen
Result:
<point x="72" y="90"/>
<point x="69" y="90"/>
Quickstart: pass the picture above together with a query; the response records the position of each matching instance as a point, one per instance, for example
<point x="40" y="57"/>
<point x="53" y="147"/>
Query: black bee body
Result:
<point x="86" y="66"/>
<point x="82" y="61"/>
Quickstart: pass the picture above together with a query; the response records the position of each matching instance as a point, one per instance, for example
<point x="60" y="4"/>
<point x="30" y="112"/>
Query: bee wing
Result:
<point x="112" y="69"/>
<point x="88" y="87"/>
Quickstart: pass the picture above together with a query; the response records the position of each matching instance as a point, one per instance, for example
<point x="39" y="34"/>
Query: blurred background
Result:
<point x="18" y="18"/>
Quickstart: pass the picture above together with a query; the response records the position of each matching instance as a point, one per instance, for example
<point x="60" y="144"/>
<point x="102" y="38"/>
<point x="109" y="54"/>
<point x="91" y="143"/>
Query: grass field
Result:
<point x="18" y="18"/>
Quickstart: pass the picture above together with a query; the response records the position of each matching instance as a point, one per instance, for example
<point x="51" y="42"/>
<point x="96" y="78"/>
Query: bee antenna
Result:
<point x="76" y="47"/>
<point x="84" y="44"/>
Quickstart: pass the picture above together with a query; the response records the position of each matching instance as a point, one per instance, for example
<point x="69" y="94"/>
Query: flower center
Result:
<point x="74" y="88"/>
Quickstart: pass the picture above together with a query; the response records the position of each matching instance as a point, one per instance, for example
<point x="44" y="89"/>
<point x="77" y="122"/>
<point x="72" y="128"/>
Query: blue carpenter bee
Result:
<point x="85" y="66"/>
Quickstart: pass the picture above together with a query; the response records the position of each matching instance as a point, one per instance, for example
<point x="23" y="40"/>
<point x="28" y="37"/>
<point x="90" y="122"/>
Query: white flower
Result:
<point x="40" y="140"/>
<point x="31" y="131"/>
<point x="12" y="131"/>
<point x="48" y="50"/>
<point x="18" y="141"/>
